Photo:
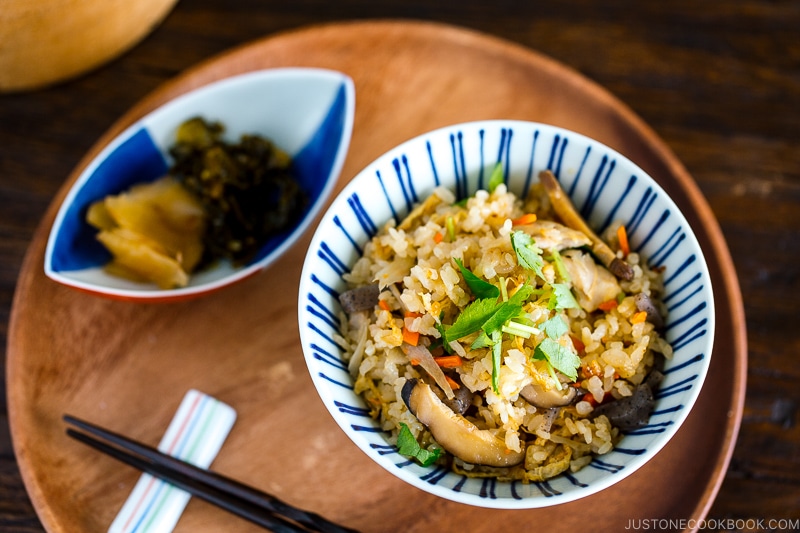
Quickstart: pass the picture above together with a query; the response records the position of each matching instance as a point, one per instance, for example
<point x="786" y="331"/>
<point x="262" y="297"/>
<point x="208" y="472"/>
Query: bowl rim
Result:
<point x="342" y="419"/>
<point x="109" y="145"/>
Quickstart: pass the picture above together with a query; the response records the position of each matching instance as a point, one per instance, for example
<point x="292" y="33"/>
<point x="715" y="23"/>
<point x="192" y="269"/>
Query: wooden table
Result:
<point x="718" y="81"/>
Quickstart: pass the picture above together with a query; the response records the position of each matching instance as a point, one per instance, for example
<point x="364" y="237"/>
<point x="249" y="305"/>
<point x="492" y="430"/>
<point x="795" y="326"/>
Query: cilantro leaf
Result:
<point x="407" y="445"/>
<point x="562" y="298"/>
<point x="529" y="256"/>
<point x="554" y="327"/>
<point x="561" y="357"/>
<point x="496" y="177"/>
<point x="479" y="287"/>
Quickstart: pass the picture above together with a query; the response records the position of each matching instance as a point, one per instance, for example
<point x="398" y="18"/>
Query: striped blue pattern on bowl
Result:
<point x="605" y="187"/>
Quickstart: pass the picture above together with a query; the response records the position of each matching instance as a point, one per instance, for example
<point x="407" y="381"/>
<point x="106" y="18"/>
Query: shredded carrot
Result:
<point x="411" y="337"/>
<point x="438" y="237"/>
<point x="527" y="218"/>
<point x="641" y="316"/>
<point x="448" y="361"/>
<point x="383" y="304"/>
<point x="622" y="236"/>
<point x="453" y="383"/>
<point x="593" y="401"/>
<point x="608" y="305"/>
<point x="415" y="362"/>
<point x="578" y="344"/>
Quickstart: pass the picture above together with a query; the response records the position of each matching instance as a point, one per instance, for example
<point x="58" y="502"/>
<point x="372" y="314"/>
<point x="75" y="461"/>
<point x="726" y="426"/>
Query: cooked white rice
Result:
<point x="421" y="285"/>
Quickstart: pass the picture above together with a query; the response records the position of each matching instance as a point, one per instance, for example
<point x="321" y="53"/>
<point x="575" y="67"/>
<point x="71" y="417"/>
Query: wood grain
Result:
<point x="716" y="81"/>
<point x="119" y="365"/>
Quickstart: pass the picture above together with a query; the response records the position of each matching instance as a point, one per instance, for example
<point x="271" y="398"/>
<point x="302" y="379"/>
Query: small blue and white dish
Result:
<point x="307" y="112"/>
<point x="604" y="186"/>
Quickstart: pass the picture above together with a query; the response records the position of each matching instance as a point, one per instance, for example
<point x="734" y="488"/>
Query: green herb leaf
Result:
<point x="507" y="310"/>
<point x="529" y="256"/>
<point x="497" y="349"/>
<point x="561" y="268"/>
<point x="554" y="376"/>
<point x="450" y="226"/>
<point x="522" y="295"/>
<point x="407" y="445"/>
<point x="555" y="327"/>
<point x="513" y="327"/>
<point x="496" y="178"/>
<point x="482" y="341"/>
<point x="488" y="315"/>
<point x="562" y="358"/>
<point x="471" y="318"/>
<point x="442" y="328"/>
<point x="562" y="298"/>
<point x="480" y="288"/>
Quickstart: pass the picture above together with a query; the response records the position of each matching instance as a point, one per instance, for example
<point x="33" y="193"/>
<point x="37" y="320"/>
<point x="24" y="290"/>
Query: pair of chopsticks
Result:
<point x="231" y="495"/>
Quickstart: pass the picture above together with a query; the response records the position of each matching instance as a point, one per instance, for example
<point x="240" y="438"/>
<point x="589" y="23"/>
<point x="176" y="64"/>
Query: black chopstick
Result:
<point x="231" y="495"/>
<point x="211" y="495"/>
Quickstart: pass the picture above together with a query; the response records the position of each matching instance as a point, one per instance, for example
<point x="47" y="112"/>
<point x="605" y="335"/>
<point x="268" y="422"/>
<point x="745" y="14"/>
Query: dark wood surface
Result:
<point x="718" y="81"/>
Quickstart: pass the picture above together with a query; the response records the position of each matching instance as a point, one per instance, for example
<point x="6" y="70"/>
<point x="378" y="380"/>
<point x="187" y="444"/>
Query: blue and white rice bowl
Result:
<point x="605" y="187"/>
<point x="307" y="112"/>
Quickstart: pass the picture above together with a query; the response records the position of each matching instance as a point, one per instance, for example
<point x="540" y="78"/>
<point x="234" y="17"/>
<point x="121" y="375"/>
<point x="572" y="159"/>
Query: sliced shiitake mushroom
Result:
<point x="550" y="235"/>
<point x="462" y="396"/>
<point x="454" y="433"/>
<point x="564" y="208"/>
<point x="538" y="396"/>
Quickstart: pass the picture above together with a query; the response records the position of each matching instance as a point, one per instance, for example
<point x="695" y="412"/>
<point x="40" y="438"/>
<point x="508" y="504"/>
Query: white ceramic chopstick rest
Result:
<point x="195" y="435"/>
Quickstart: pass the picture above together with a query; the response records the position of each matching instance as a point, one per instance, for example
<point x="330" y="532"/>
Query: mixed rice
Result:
<point x="535" y="377"/>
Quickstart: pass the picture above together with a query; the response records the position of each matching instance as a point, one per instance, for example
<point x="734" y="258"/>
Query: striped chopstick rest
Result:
<point x="195" y="435"/>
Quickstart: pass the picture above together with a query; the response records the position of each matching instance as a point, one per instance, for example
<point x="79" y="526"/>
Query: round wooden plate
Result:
<point x="127" y="366"/>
